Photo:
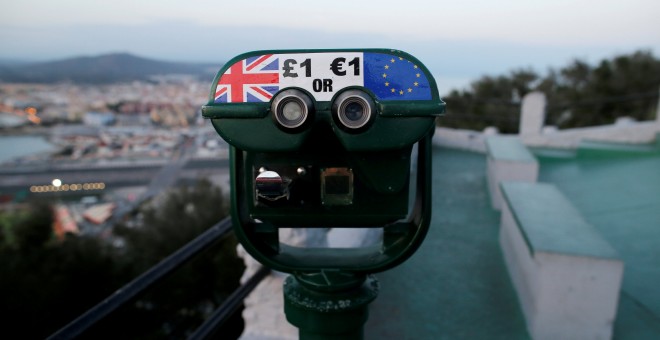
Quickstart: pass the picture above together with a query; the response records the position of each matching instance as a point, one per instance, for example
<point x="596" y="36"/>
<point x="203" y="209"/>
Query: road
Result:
<point x="12" y="182"/>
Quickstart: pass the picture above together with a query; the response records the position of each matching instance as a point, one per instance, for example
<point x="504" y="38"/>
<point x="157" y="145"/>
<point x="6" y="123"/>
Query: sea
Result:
<point x="12" y="147"/>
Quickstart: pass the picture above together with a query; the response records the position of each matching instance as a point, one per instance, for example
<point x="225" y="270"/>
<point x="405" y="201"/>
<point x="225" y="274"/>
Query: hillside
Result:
<point x="109" y="68"/>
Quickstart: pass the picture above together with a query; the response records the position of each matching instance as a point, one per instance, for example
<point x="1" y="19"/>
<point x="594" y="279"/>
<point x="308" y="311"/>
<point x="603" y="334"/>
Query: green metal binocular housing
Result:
<point x="323" y="138"/>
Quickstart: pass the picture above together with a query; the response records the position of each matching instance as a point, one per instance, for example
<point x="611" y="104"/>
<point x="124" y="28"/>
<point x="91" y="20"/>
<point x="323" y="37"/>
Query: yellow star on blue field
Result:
<point x="401" y="80"/>
<point x="401" y="92"/>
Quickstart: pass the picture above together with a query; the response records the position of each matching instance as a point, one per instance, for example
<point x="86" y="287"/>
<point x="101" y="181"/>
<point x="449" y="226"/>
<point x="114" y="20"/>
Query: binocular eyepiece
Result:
<point x="292" y="109"/>
<point x="351" y="110"/>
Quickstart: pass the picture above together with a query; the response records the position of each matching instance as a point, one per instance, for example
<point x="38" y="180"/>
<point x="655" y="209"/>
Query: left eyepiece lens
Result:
<point x="293" y="111"/>
<point x="291" y="108"/>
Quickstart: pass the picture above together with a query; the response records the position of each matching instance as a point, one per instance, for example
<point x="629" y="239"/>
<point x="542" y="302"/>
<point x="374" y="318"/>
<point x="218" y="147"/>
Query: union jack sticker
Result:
<point x="255" y="79"/>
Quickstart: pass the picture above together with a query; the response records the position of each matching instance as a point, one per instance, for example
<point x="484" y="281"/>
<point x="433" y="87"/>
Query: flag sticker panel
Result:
<point x="395" y="78"/>
<point x="255" y="79"/>
<point x="259" y="78"/>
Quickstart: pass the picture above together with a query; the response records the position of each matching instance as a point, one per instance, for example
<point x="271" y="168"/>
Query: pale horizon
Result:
<point x="458" y="42"/>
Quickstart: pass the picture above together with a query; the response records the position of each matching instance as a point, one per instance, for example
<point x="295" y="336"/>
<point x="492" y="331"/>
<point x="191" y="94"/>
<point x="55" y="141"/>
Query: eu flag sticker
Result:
<point x="395" y="78"/>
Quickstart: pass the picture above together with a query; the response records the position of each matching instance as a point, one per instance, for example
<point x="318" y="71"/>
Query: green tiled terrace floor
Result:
<point x="618" y="192"/>
<point x="457" y="287"/>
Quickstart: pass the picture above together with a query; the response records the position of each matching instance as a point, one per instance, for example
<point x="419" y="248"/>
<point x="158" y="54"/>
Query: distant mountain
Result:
<point x="109" y="68"/>
<point x="11" y="62"/>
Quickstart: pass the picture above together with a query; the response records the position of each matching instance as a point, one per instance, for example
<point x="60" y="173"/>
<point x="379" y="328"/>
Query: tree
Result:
<point x="33" y="229"/>
<point x="182" y="302"/>
<point x="627" y="85"/>
<point x="491" y="101"/>
<point x="578" y="95"/>
<point x="45" y="283"/>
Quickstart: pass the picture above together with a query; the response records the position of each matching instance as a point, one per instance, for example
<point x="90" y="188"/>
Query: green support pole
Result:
<point x="329" y="305"/>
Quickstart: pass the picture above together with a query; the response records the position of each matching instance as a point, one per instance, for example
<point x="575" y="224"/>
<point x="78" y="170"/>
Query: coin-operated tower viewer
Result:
<point x="323" y="139"/>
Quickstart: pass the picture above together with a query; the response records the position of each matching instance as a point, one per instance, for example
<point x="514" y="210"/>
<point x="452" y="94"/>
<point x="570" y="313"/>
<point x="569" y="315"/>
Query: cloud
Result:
<point x="453" y="61"/>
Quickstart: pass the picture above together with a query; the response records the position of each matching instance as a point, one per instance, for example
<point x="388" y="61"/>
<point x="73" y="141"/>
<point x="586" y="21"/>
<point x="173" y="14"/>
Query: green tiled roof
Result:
<point x="617" y="190"/>
<point x="508" y="148"/>
<point x="457" y="287"/>
<point x="550" y="223"/>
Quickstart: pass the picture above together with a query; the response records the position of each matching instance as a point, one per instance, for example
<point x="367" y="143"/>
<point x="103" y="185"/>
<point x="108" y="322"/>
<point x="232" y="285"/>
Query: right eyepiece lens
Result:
<point x="354" y="109"/>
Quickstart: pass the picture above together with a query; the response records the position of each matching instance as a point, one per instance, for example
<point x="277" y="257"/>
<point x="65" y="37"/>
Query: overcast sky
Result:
<point x="458" y="40"/>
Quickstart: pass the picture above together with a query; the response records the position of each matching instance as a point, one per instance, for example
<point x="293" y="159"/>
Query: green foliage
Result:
<point x="45" y="284"/>
<point x="490" y="102"/>
<point x="34" y="229"/>
<point x="178" y="218"/>
<point x="578" y="95"/>
<point x="26" y="229"/>
<point x="182" y="302"/>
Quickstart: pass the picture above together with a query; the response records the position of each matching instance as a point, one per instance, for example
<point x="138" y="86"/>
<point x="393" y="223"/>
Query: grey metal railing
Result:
<point x="155" y="274"/>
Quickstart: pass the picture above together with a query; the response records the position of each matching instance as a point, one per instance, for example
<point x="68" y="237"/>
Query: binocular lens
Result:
<point x="292" y="111"/>
<point x="354" y="109"/>
<point x="291" y="108"/>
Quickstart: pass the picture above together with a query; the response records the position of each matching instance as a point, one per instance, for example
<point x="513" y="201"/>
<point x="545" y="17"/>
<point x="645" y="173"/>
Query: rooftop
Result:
<point x="457" y="285"/>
